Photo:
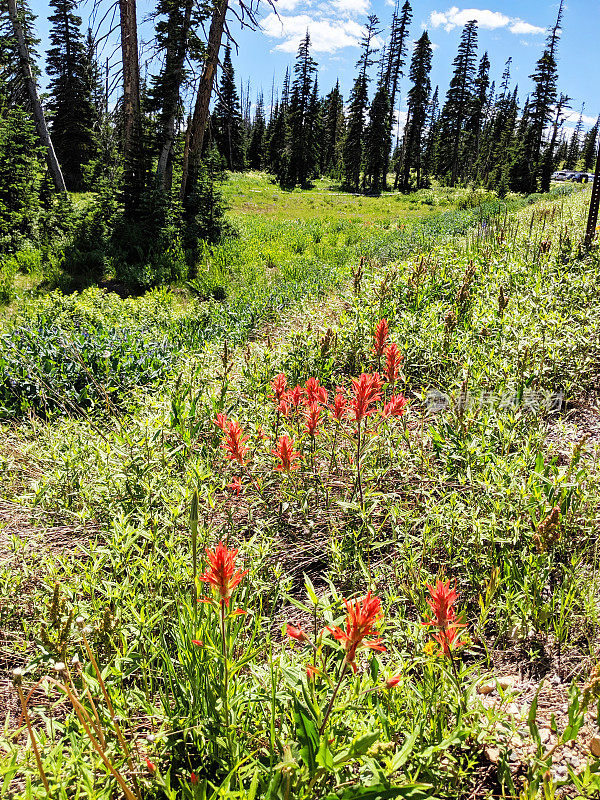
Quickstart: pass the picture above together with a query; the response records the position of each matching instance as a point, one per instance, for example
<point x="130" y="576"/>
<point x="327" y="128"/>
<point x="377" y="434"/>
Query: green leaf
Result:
<point x="308" y="736"/>
<point x="410" y="791"/>
<point x="357" y="748"/>
<point x="531" y="719"/>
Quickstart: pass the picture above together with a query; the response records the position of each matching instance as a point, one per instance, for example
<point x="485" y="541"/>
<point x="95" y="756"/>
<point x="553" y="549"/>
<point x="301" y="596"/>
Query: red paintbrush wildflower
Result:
<point x="221" y="573"/>
<point x="221" y="422"/>
<point x="395" y="407"/>
<point x="339" y="405"/>
<point x="311" y="671"/>
<point x="279" y="385"/>
<point x="312" y="415"/>
<point x="233" y="443"/>
<point x="314" y="393"/>
<point x="286" y="453"/>
<point x="150" y="766"/>
<point x="393" y="359"/>
<point x="366" y="392"/>
<point x="295" y="633"/>
<point x="283" y="407"/>
<point x="294" y="396"/>
<point x="193" y="779"/>
<point x="441" y="602"/>
<point x="393" y="681"/>
<point x="361" y="616"/>
<point x="380" y="338"/>
<point x="235" y="486"/>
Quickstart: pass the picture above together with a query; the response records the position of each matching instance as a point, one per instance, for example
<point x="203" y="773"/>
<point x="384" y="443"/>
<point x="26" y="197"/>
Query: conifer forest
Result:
<point x="299" y="403"/>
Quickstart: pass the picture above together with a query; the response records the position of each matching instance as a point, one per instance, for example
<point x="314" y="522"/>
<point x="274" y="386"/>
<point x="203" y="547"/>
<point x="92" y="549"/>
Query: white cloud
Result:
<point x="486" y="18"/>
<point x="525" y="28"/>
<point x="287" y="5"/>
<point x="327" y="35"/>
<point x="351" y="6"/>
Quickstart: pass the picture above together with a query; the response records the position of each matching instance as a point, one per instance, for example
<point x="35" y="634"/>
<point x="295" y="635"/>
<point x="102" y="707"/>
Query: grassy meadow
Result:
<point x="388" y="408"/>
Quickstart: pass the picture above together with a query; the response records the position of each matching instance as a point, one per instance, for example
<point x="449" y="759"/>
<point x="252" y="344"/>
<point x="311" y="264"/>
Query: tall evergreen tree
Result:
<point x="394" y="63"/>
<point x="589" y="150"/>
<point x="333" y="131"/>
<point x="574" y="150"/>
<point x="352" y="153"/>
<point x="459" y="99"/>
<point x="257" y="142"/>
<point x="431" y="136"/>
<point x="303" y="158"/>
<point x="226" y="120"/>
<point x="475" y="117"/>
<point x="377" y="141"/>
<point x="418" y="103"/>
<point x="71" y="103"/>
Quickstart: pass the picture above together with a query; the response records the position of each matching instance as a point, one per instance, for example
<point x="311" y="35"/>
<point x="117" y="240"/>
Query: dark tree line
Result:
<point x="478" y="135"/>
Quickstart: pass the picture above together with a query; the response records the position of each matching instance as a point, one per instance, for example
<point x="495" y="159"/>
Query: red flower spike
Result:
<point x="339" y="405"/>
<point x="221" y="422"/>
<point x="221" y="573"/>
<point x="283" y="407"/>
<point x="311" y="671"/>
<point x="294" y="396"/>
<point x="234" y="442"/>
<point x="295" y="633"/>
<point x="366" y="392"/>
<point x="393" y="359"/>
<point x="393" y="681"/>
<point x="193" y="779"/>
<point x="381" y="334"/>
<point x="150" y="766"/>
<point x="198" y="642"/>
<point x="312" y="415"/>
<point x="235" y="486"/>
<point x="314" y="393"/>
<point x="361" y="616"/>
<point x="441" y="601"/>
<point x="279" y="385"/>
<point x="286" y="454"/>
<point x="395" y="407"/>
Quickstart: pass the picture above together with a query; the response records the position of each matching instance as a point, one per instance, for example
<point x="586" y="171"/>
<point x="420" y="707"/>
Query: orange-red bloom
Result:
<point x="294" y="396"/>
<point x="221" y="422"/>
<point x="395" y="407"/>
<point x="393" y="681"/>
<point x="339" y="405"/>
<point x="312" y="415"/>
<point x="150" y="766"/>
<point x="235" y="486"/>
<point x="221" y="573"/>
<point x="381" y="334"/>
<point x="295" y="633"/>
<point x="283" y="407"/>
<point x="314" y="393"/>
<point x="441" y="601"/>
<point x="361" y="616"/>
<point x="193" y="779"/>
<point x="279" y="386"/>
<point x="366" y="392"/>
<point x="393" y="359"/>
<point x="234" y="442"/>
<point x="286" y="453"/>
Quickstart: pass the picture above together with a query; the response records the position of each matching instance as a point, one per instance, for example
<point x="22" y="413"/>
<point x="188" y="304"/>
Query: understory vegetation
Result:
<point x="315" y="523"/>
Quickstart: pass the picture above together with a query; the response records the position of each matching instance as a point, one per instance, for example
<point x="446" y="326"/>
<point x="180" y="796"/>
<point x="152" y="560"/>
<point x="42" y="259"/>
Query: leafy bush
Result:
<point x="73" y="361"/>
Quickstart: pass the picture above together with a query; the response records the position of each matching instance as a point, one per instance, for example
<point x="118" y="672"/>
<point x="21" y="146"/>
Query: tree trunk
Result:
<point x="200" y="117"/>
<point x="174" y="67"/>
<point x="132" y="125"/>
<point x="36" y="106"/>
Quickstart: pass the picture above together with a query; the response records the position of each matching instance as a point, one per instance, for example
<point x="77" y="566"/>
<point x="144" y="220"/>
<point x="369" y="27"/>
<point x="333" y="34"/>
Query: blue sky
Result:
<point x="506" y="28"/>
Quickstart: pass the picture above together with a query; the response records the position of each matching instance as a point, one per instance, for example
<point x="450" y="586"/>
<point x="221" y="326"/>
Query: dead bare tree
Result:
<point x="36" y="106"/>
<point x="132" y="121"/>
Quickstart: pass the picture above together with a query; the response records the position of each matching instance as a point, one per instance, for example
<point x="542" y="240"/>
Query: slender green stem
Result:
<point x="333" y="696"/>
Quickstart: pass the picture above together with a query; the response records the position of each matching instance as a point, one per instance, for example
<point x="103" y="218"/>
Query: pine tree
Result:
<point x="431" y="137"/>
<point x="12" y="85"/>
<point x="302" y="159"/>
<point x="71" y="102"/>
<point x="589" y="150"/>
<point x="475" y="117"/>
<point x="257" y="141"/>
<point x="418" y="103"/>
<point x="333" y="131"/>
<point x="543" y="100"/>
<point x="456" y="108"/>
<point x="394" y="61"/>
<point x="352" y="153"/>
<point x="377" y="141"/>
<point x="574" y="151"/>
<point x="226" y="120"/>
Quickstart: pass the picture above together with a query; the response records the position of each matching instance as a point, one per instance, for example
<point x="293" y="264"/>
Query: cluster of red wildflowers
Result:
<point x="309" y="404"/>
<point x="361" y="618"/>
<point x="221" y="573"/>
<point x="442" y="598"/>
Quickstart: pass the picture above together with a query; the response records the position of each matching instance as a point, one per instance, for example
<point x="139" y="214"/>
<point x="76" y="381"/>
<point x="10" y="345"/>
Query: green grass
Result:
<point x="110" y="508"/>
